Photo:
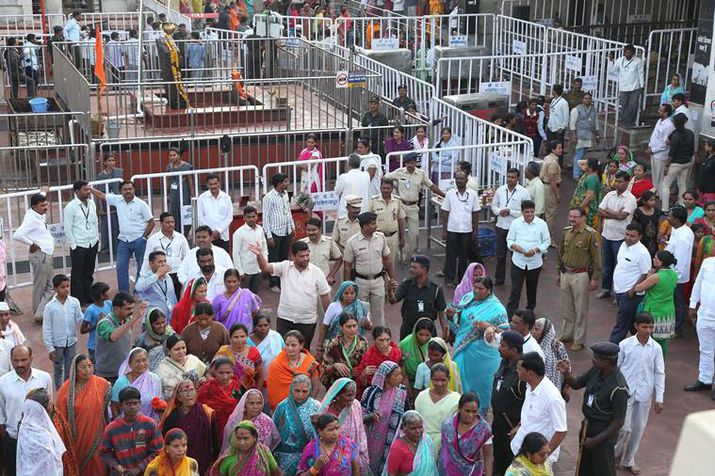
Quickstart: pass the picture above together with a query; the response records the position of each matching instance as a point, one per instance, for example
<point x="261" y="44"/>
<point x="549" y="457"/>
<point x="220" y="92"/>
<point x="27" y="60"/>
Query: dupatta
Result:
<point x="256" y="463"/>
<point x="390" y="401"/>
<point x="183" y="313"/>
<point x="413" y="354"/>
<point x="293" y="420"/>
<point x="39" y="446"/>
<point x="282" y="375"/>
<point x="161" y="465"/>
<point x="147" y="386"/>
<point x="267" y="431"/>
<point x="455" y="380"/>
<point x="357" y="308"/>
<point x="238" y="308"/>
<point x="311" y="180"/>
<point x="461" y="455"/>
<point x="423" y="464"/>
<point x="466" y="285"/>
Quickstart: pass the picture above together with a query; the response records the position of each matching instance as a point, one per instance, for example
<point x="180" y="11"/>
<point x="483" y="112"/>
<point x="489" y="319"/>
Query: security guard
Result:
<point x="348" y="225"/>
<point x="605" y="401"/>
<point x="390" y="217"/>
<point x="410" y="181"/>
<point x="579" y="257"/>
<point x="508" y="394"/>
<point x="367" y="259"/>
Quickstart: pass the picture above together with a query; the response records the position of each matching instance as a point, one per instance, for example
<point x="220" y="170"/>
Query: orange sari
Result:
<point x="281" y="374"/>
<point x="70" y="465"/>
<point x="84" y="410"/>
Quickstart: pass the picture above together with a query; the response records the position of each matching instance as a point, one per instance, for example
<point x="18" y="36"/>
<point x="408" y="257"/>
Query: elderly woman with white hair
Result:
<point x="411" y="451"/>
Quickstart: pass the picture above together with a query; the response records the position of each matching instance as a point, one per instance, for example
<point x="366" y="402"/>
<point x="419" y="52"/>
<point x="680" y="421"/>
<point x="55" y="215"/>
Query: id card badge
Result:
<point x="589" y="401"/>
<point x="169" y="306"/>
<point x="499" y="384"/>
<point x="420" y="306"/>
<point x="168" y="252"/>
<point x="174" y="186"/>
<point x="407" y="184"/>
<point x="87" y="225"/>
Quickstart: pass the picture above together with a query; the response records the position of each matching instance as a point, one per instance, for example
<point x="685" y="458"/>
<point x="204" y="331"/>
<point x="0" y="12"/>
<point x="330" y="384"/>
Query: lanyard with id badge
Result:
<point x="86" y="218"/>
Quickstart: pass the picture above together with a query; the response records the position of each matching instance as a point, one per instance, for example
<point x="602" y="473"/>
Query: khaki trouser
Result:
<point x="413" y="230"/>
<point x="393" y="242"/>
<point x="42" y="272"/>
<point x="373" y="291"/>
<point x="575" y="288"/>
<point x="551" y="209"/>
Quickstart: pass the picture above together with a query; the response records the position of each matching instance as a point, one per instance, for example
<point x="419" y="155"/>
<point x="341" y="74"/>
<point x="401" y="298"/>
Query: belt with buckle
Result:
<point x="409" y="204"/>
<point x="389" y="234"/>
<point x="576" y="270"/>
<point x="368" y="277"/>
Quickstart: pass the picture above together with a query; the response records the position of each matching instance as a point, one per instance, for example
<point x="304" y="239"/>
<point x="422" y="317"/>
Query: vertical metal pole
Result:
<point x="140" y="50"/>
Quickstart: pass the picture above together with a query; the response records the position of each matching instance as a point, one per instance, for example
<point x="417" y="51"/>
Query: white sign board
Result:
<point x="573" y="63"/>
<point x="324" y="201"/>
<point x="341" y="79"/>
<point x="499" y="87"/>
<point x="498" y="164"/>
<point x="612" y="76"/>
<point x="640" y="18"/>
<point x="590" y="83"/>
<point x="518" y="47"/>
<point x="385" y="44"/>
<point x="459" y="41"/>
<point x="186" y="214"/>
<point x="58" y="233"/>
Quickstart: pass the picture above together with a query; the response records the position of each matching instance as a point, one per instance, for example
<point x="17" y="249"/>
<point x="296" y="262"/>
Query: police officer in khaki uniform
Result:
<point x="551" y="178"/>
<point x="323" y="250"/>
<point x="366" y="261"/>
<point x="410" y="181"/>
<point x="579" y="267"/>
<point x="390" y="217"/>
<point x="348" y="225"/>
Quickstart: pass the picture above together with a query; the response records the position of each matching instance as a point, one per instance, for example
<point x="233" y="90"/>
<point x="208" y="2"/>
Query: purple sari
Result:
<point x="237" y="309"/>
<point x="461" y="455"/>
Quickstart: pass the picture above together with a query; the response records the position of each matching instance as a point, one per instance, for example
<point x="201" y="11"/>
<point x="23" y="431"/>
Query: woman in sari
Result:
<point x="624" y="159"/>
<point x="340" y="401"/>
<point x="250" y="408"/>
<point x="311" y="176"/>
<point x="345" y="301"/>
<point x="184" y="312"/>
<point x="154" y="337"/>
<point x="173" y="459"/>
<point x="705" y="250"/>
<point x="384" y="402"/>
<point x="383" y="350"/>
<point x="331" y="453"/>
<point x="177" y="366"/>
<point x="411" y="454"/>
<point x="39" y="446"/>
<point x="414" y="350"/>
<point x="268" y="342"/>
<point x="466" y="441"/>
<point x="648" y="217"/>
<point x="533" y="457"/>
<point x="708" y="220"/>
<point x="437" y="353"/>
<point x="640" y="182"/>
<point x="292" y="418"/>
<point x="70" y="462"/>
<point x="247" y="361"/>
<point x="293" y="360"/>
<point x="396" y="143"/>
<point x="220" y="392"/>
<point x="344" y="352"/>
<point x="675" y="86"/>
<point x="608" y="179"/>
<point x="588" y="192"/>
<point x="236" y="305"/>
<point x="466" y="285"/>
<point x="83" y="400"/>
<point x="554" y="351"/>
<point x="135" y="372"/>
<point x="437" y="403"/>
<point x="477" y="311"/>
<point x="246" y="456"/>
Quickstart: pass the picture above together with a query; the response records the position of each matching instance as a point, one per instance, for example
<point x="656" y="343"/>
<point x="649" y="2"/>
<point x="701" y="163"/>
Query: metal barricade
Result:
<point x="21" y="25"/>
<point x="13" y="207"/>
<point x="109" y="22"/>
<point x="669" y="52"/>
<point x="42" y="76"/>
<point x="72" y="87"/>
<point x="171" y="15"/>
<point x="513" y="36"/>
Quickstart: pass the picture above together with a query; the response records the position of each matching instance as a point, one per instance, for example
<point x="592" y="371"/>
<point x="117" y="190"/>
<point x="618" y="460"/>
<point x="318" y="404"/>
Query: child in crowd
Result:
<point x="101" y="306"/>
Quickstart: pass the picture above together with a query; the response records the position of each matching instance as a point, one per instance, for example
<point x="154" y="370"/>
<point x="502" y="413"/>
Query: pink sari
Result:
<point x="311" y="180"/>
<point x="267" y="431"/>
<point x="466" y="286"/>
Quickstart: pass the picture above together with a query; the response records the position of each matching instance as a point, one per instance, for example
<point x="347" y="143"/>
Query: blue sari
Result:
<point x="295" y="428"/>
<point x="358" y="308"/>
<point x="476" y="360"/>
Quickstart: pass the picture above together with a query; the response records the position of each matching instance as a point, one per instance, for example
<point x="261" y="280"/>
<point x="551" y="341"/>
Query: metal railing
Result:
<point x="668" y="52"/>
<point x="635" y="33"/>
<point x="171" y="15"/>
<point x="513" y="36"/>
<point x="21" y="25"/>
<point x="43" y="75"/>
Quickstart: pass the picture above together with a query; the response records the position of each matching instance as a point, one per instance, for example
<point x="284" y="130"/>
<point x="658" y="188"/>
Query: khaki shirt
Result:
<point x="344" y="229"/>
<point x="366" y="254"/>
<point x="548" y="167"/>
<point x="323" y="252"/>
<point x="409" y="185"/>
<point x="580" y="249"/>
<point x="388" y="213"/>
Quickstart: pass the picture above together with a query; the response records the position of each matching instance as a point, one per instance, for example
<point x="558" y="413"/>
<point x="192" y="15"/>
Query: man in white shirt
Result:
<point x="34" y="233"/>
<point x="212" y="273"/>
<point x="535" y="187"/>
<point x="529" y="240"/>
<point x="250" y="233"/>
<point x="215" y="210"/>
<point x="173" y="244"/>
<point x="616" y="210"/>
<point x="658" y="145"/>
<point x="115" y="53"/>
<point x="9" y="330"/>
<point x="460" y="221"/>
<point x="632" y="266"/>
<point x="506" y="206"/>
<point x="680" y="244"/>
<point x="132" y="56"/>
<point x="558" y="117"/>
<point x="190" y="266"/>
<point x="135" y="225"/>
<point x="544" y="409"/>
<point x="81" y="225"/>
<point x="629" y="69"/>
<point x="641" y="362"/>
<point x="353" y="182"/>
<point x="301" y="284"/>
<point x="14" y="387"/>
<point x="679" y="107"/>
<point x="702" y="315"/>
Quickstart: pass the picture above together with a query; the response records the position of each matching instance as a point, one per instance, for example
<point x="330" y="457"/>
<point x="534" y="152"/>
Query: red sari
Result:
<point x="183" y="313"/>
<point x="222" y="400"/>
<point x="374" y="357"/>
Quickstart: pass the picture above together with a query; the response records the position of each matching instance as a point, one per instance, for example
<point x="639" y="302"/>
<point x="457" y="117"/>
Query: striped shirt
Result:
<point x="131" y="446"/>
<point x="277" y="219"/>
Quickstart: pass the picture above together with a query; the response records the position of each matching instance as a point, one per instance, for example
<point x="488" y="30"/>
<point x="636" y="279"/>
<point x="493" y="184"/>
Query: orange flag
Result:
<point x="99" y="63"/>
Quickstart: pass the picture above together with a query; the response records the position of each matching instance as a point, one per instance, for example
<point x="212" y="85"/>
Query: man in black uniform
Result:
<point x="507" y="398"/>
<point x="375" y="120"/>
<point x="604" y="409"/>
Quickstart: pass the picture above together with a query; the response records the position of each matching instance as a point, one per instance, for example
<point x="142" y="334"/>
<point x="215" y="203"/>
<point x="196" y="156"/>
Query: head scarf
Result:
<point x="466" y="285"/>
<point x="183" y="313"/>
<point x="287" y="415"/>
<point x="39" y="446"/>
<point x="455" y="381"/>
<point x="147" y="386"/>
<point x="267" y="431"/>
<point x="392" y="400"/>
<point x="550" y="346"/>
<point x="150" y="331"/>
<point x="423" y="463"/>
<point x="356" y="308"/>
<point x="161" y="465"/>
<point x="413" y="353"/>
<point x="254" y="464"/>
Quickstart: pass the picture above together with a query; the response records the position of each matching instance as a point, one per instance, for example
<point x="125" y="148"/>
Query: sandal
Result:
<point x="632" y="469"/>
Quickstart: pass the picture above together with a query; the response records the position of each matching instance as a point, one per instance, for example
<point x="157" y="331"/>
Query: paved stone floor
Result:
<point x="660" y="440"/>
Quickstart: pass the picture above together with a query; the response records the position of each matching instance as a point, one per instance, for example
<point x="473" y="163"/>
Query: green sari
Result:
<point x="413" y="354"/>
<point x="588" y="182"/>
